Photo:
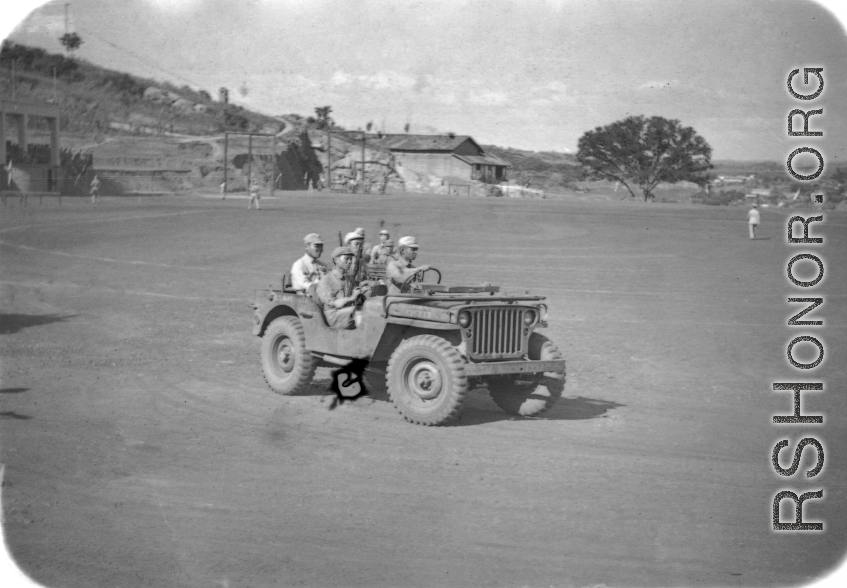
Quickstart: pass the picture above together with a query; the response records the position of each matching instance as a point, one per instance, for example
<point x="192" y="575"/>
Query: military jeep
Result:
<point x="426" y="347"/>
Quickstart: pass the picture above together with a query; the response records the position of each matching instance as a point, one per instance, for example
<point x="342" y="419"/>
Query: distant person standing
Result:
<point x="95" y="189"/>
<point x="254" y="195"/>
<point x="223" y="190"/>
<point x="753" y="220"/>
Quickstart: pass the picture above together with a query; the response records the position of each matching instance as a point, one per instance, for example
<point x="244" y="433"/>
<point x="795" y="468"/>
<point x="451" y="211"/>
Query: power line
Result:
<point x="141" y="59"/>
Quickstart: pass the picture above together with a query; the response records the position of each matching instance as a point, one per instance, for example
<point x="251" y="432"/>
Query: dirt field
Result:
<point x="143" y="448"/>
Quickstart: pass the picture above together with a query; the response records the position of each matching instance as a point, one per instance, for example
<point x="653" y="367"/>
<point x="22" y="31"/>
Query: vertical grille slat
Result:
<point x="497" y="333"/>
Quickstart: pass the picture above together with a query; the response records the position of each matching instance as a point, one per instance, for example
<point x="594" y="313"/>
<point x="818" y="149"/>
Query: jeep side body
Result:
<point x="426" y="348"/>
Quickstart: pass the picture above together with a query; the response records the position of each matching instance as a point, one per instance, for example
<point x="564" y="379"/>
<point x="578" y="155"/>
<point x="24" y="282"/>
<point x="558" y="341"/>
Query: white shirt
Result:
<point x="307" y="271"/>
<point x="753" y="216"/>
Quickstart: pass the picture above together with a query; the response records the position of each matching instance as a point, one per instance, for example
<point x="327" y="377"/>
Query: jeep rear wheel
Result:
<point x="287" y="364"/>
<point x="530" y="394"/>
<point x="426" y="380"/>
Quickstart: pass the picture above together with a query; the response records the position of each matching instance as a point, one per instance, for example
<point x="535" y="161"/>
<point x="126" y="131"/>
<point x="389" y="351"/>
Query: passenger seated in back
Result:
<point x="337" y="295"/>
<point x="383" y="237"/>
<point x="308" y="270"/>
<point x="383" y="253"/>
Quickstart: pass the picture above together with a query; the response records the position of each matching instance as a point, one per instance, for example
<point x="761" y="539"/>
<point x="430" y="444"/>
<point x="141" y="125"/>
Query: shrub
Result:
<point x="38" y="60"/>
<point x="233" y="119"/>
<point x="718" y="198"/>
<point x="124" y="83"/>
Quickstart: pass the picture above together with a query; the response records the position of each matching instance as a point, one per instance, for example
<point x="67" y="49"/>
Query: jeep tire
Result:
<point x="287" y="364"/>
<point x="530" y="394"/>
<point x="426" y="380"/>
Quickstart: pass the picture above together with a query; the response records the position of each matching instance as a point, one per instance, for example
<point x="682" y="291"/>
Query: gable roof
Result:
<point x="421" y="142"/>
<point x="485" y="159"/>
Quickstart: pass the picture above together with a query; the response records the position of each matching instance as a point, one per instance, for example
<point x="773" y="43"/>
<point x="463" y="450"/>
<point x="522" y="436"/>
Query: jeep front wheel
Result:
<point x="426" y="380"/>
<point x="287" y="364"/>
<point x="530" y="394"/>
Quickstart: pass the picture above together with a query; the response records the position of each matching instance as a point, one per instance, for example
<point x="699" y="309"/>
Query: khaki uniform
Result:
<point x="307" y="271"/>
<point x="330" y="288"/>
<point x="381" y="255"/>
<point x="394" y="271"/>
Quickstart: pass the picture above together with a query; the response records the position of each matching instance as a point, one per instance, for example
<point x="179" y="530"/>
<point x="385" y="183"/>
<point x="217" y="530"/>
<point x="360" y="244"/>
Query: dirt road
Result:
<point x="142" y="447"/>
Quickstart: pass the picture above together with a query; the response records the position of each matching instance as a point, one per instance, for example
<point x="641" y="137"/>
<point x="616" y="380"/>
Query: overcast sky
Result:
<point x="527" y="74"/>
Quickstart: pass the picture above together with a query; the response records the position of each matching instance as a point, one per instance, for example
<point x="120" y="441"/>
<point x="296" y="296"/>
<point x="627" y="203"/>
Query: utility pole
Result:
<point x="273" y="167"/>
<point x="67" y="4"/>
<point x="226" y="163"/>
<point x="328" y="161"/>
<point x="249" y="162"/>
<point x="363" y="160"/>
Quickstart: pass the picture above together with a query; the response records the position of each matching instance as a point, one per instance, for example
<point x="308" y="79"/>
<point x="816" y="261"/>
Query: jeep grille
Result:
<point x="497" y="333"/>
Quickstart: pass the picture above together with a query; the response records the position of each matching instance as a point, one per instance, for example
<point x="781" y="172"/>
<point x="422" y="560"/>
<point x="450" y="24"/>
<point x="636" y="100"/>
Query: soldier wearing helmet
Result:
<point x="309" y="269"/>
<point x="399" y="270"/>
<point x="337" y="294"/>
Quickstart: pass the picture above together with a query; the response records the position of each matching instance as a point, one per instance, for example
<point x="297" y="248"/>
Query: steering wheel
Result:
<point x="405" y="286"/>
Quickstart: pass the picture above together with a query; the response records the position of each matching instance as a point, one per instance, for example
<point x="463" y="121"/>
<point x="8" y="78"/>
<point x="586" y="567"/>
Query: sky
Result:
<point x="529" y="74"/>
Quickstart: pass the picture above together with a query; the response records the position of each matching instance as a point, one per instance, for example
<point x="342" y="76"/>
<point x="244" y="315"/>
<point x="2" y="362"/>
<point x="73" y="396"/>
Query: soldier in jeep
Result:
<point x="338" y="295"/>
<point x="309" y="269"/>
<point x="377" y="249"/>
<point x="401" y="269"/>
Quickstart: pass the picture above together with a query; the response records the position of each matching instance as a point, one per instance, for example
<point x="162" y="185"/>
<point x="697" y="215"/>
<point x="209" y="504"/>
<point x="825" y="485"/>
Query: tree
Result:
<point x="644" y="152"/>
<point x="324" y="121"/>
<point x="70" y="41"/>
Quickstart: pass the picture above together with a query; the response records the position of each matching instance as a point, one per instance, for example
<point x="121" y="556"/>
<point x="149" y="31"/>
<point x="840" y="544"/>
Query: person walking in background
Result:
<point x="254" y="195"/>
<point x="753" y="220"/>
<point x="95" y="189"/>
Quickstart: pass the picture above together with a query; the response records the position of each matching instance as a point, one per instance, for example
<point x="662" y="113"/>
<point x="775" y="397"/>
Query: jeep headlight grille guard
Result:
<point x="498" y="332"/>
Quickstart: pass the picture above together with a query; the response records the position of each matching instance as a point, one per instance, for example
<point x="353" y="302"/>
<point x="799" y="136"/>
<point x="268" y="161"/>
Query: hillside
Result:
<point x="146" y="136"/>
<point x="141" y="135"/>
<point x="94" y="100"/>
<point x="547" y="170"/>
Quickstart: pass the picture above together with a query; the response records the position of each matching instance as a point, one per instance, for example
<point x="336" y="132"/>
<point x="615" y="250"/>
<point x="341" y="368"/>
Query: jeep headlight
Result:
<point x="464" y="319"/>
<point x="529" y="317"/>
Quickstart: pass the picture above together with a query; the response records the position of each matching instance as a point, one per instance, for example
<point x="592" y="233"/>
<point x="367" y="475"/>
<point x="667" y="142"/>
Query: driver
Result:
<point x="401" y="269"/>
<point x="336" y="292"/>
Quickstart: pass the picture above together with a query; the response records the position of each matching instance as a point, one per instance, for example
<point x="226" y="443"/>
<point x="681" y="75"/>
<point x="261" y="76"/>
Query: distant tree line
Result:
<point x="37" y="60"/>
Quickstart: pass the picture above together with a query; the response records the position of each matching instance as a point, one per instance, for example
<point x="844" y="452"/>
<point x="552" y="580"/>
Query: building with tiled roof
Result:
<point x="453" y="156"/>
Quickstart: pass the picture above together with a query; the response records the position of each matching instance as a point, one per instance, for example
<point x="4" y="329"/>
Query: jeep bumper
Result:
<point x="514" y="367"/>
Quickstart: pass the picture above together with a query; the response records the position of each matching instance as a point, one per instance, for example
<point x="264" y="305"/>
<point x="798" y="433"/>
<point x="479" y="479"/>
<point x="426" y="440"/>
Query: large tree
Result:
<point x="642" y="152"/>
<point x="71" y="41"/>
<point x="324" y="120"/>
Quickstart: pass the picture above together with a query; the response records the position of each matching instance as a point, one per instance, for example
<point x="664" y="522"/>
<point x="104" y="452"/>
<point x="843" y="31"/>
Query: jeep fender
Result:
<point x="265" y="314"/>
<point x="394" y="334"/>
